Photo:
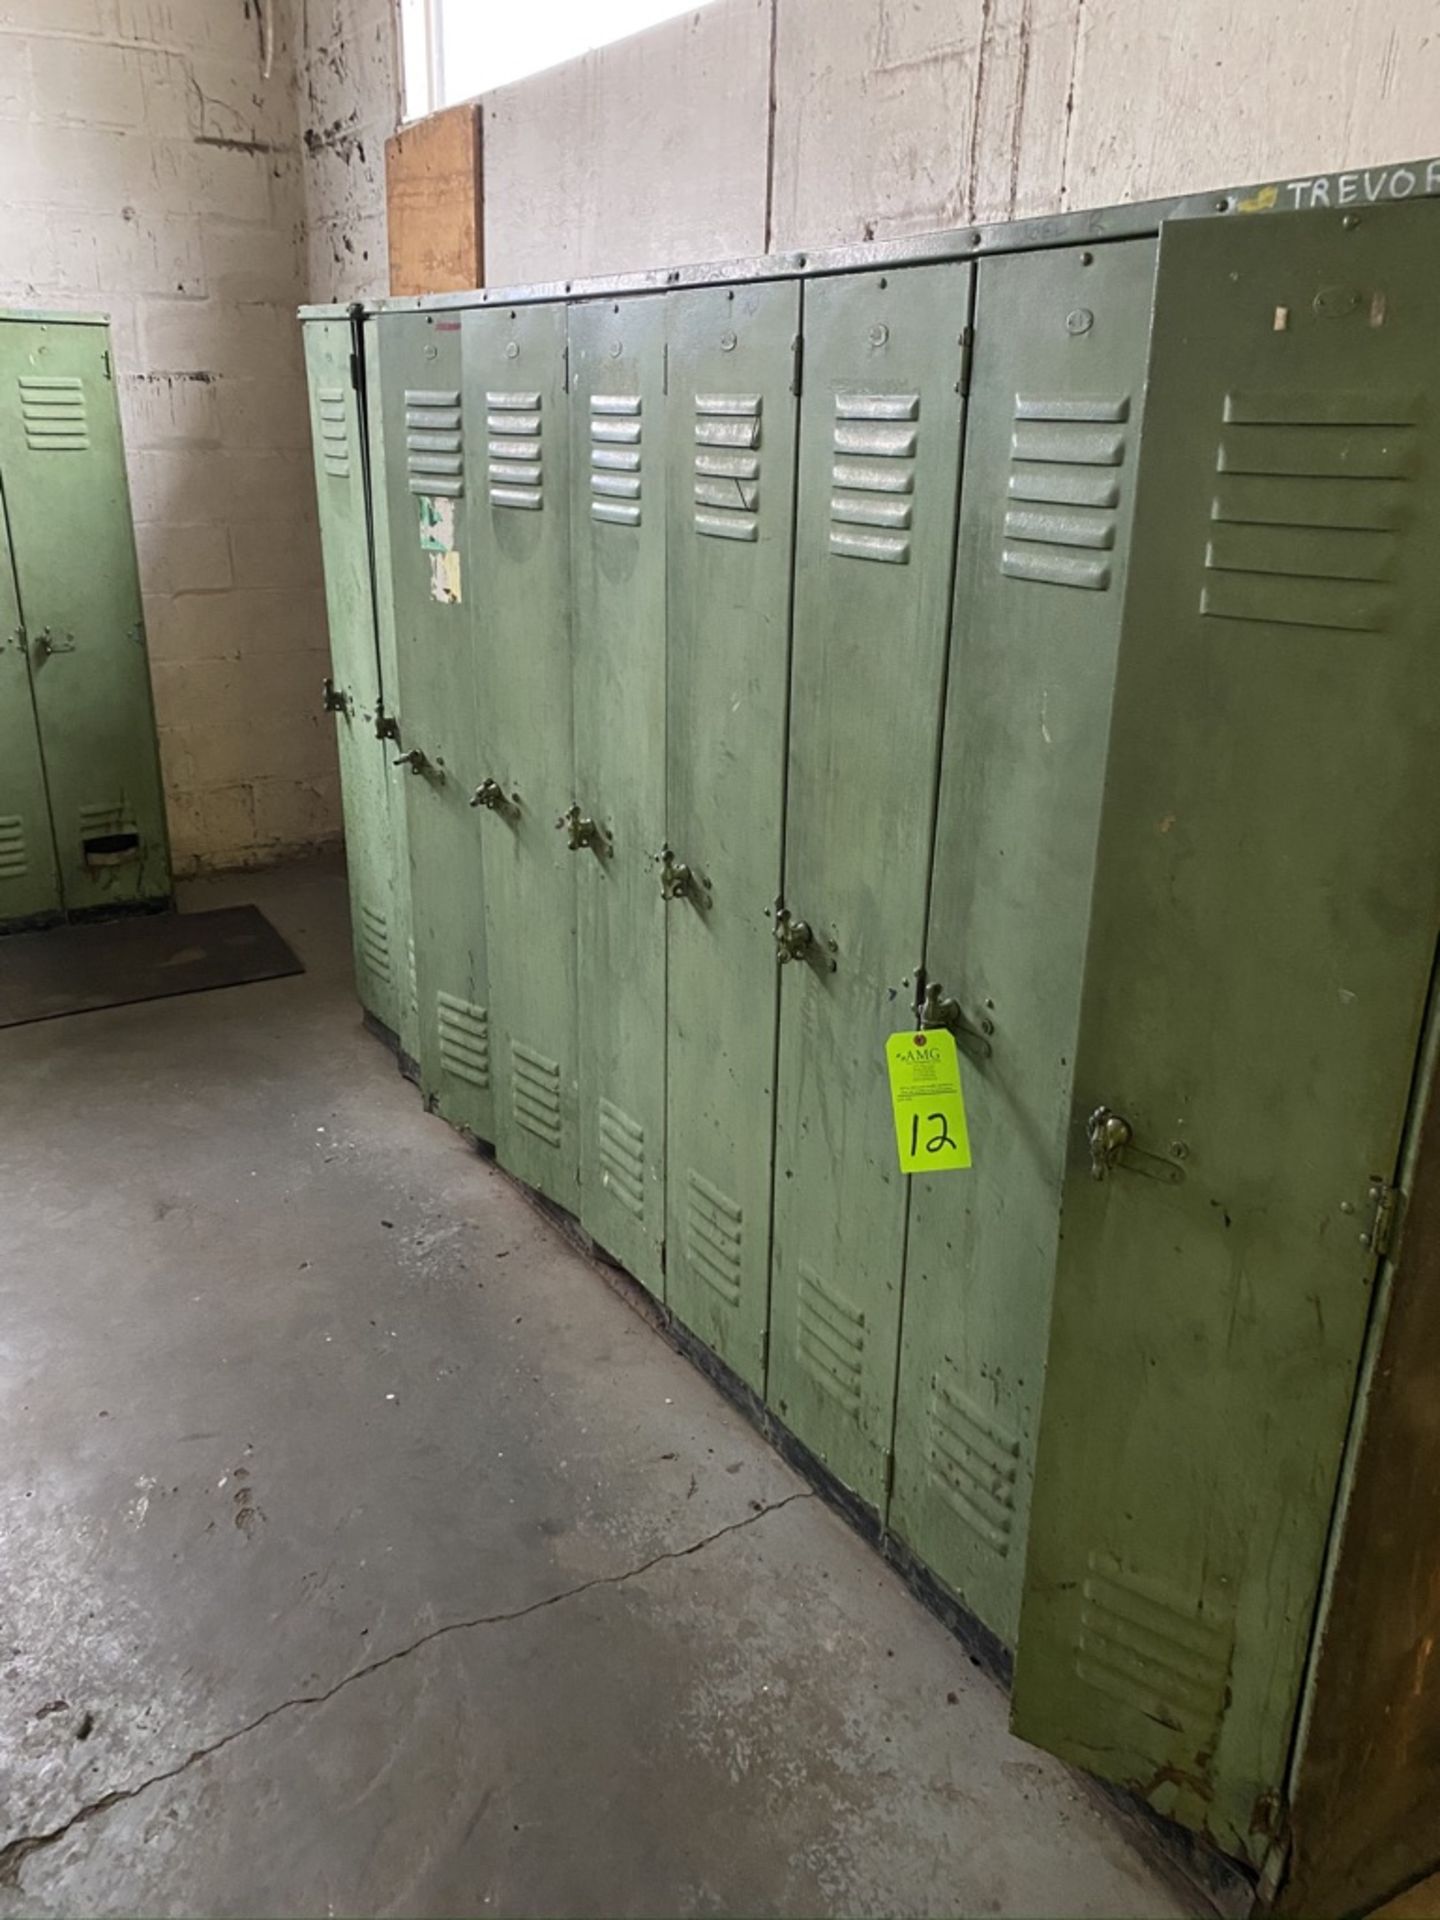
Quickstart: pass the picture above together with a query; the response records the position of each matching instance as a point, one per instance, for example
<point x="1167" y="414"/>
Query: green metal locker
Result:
<point x="730" y="440"/>
<point x="615" y="824"/>
<point x="1266" y="902"/>
<point x="420" y="380"/>
<point x="1047" y="493"/>
<point x="338" y="429"/>
<point x="29" y="871"/>
<point x="67" y="503"/>
<point x="880" y="424"/>
<point x="402" y="933"/>
<point x="519" y="551"/>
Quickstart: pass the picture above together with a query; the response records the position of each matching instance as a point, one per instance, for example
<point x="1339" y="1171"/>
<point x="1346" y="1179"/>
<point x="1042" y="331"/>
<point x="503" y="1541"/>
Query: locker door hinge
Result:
<point x="967" y="354"/>
<point x="565" y="368"/>
<point x="354" y="371"/>
<point x="1382" y="1236"/>
<point x="665" y="368"/>
<point x="889" y="1477"/>
<point x="797" y="366"/>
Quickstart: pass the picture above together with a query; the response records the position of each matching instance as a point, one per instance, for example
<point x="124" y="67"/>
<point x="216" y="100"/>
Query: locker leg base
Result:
<point x="984" y="1649"/>
<point x="409" y="1066"/>
<point x="1226" y="1886"/>
<point x="1174" y="1851"/>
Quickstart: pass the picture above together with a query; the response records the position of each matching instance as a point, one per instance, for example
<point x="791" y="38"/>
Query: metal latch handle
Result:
<point x="580" y="830"/>
<point x="492" y="795"/>
<point x="940" y="1009"/>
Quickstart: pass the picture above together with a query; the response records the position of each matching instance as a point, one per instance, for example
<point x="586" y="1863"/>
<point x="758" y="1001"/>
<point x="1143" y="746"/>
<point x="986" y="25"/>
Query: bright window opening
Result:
<point x="454" y="49"/>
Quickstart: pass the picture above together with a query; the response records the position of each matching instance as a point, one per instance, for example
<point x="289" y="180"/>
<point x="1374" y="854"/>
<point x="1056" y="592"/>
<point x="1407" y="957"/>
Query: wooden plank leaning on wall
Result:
<point x="434" y="204"/>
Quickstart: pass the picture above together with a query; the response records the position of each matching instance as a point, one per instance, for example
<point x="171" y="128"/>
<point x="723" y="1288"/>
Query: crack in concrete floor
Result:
<point x="16" y="1852"/>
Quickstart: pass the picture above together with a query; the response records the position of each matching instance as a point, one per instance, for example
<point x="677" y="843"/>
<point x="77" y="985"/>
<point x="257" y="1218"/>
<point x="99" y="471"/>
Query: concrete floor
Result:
<point x="364" y="1552"/>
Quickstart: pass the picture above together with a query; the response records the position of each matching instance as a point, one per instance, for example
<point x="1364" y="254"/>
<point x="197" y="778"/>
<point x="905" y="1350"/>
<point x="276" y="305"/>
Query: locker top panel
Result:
<point x="1356" y="188"/>
<point x="30" y="316"/>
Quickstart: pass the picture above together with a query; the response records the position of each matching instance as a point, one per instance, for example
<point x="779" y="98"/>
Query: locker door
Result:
<point x="1055" y="409"/>
<point x="617" y="821"/>
<point x="519" y="543"/>
<point x="337" y="432"/>
<point x="1266" y="905"/>
<point x="29" y="876"/>
<point x="63" y="467"/>
<point x="880" y="424"/>
<point x="420" y="375"/>
<point x="730" y="439"/>
<point x="402" y="933"/>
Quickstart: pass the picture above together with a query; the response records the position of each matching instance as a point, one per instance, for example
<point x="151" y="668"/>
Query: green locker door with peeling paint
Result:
<point x="420" y="376"/>
<point x="387" y="725"/>
<point x="29" y="873"/>
<point x="1056" y="400"/>
<point x="337" y="431"/>
<point x="615" y="825"/>
<point x="1265" y="914"/>
<point x="880" y="425"/>
<point x="730" y="436"/>
<point x="519" y="527"/>
<point x="62" y="465"/>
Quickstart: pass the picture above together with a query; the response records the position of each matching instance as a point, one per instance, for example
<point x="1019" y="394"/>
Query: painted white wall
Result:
<point x="802" y="123"/>
<point x="151" y="172"/>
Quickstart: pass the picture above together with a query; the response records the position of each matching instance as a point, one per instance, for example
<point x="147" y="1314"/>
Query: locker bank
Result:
<point x="1026" y="633"/>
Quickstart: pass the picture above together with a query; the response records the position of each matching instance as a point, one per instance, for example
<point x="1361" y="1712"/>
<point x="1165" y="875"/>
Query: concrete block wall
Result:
<point x="755" y="125"/>
<point x="153" y="172"/>
<point x="349" y="97"/>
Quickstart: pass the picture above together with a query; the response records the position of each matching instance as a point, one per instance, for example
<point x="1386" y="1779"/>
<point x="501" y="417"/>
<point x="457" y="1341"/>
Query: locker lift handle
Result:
<point x="795" y="940"/>
<point x="1111" y="1140"/>
<point x="680" y="882"/>
<point x="940" y="1009"/>
<point x="491" y="795"/>
<point x="44" y="643"/>
<point x="419" y="762"/>
<point x="581" y="831"/>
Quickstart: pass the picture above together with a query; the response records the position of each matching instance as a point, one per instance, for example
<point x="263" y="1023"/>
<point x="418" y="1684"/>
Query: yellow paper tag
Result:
<point x="925" y="1092"/>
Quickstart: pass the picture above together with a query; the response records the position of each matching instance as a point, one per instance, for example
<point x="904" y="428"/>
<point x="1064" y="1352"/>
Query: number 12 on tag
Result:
<point x="929" y="1105"/>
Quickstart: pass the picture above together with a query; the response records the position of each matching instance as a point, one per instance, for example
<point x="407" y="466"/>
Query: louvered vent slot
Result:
<point x="434" y="444"/>
<point x="727" y="465"/>
<point x="513" y="449"/>
<point x="52" y="408"/>
<point x="872" y="475"/>
<point x="1308" y="508"/>
<point x="14" y="856"/>
<point x="830" y="1340"/>
<point x="972" y="1459"/>
<point x="1064" y="490"/>
<point x="334" y="433"/>
<point x="622" y="1158"/>
<point x="464" y="1035"/>
<point x="535" y="1093"/>
<point x="375" y="942"/>
<point x="714" y="1230"/>
<point x="615" y="458"/>
<point x="1148" y="1647"/>
<point x="109" y="836"/>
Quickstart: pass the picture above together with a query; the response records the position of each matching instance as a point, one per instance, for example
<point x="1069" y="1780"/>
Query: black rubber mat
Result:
<point x="147" y="956"/>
